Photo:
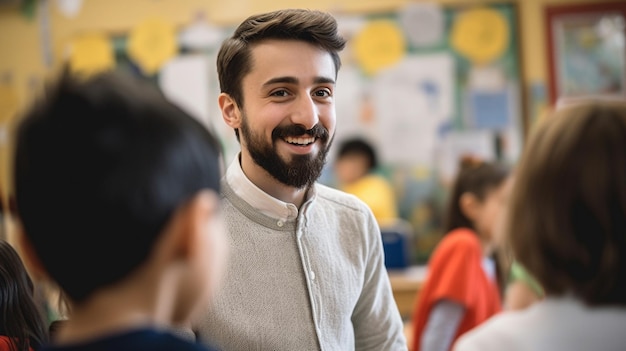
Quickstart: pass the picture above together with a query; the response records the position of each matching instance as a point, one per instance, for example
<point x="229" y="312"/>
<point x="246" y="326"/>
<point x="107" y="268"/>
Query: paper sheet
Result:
<point x="477" y="143"/>
<point x="411" y="102"/>
<point x="91" y="54"/>
<point x="152" y="43"/>
<point x="185" y="81"/>
<point x="380" y="44"/>
<point x="480" y="34"/>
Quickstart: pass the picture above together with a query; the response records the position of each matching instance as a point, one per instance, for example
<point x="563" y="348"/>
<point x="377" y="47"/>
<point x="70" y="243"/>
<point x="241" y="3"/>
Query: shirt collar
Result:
<point x="257" y="198"/>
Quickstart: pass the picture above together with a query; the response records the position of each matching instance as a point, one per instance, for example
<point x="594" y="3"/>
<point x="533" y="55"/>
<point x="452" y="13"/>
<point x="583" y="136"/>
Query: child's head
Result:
<point x="477" y="197"/>
<point x="20" y="317"/>
<point x="103" y="168"/>
<point x="355" y="158"/>
<point x="567" y="221"/>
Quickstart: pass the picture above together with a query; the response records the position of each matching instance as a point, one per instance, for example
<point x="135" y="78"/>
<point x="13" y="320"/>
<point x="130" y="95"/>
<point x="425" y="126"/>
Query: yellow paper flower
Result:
<point x="378" y="45"/>
<point x="90" y="54"/>
<point x="480" y="34"/>
<point x="152" y="43"/>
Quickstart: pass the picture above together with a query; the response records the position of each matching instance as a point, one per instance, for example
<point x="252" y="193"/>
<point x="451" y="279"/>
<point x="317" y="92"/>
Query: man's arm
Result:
<point x="376" y="318"/>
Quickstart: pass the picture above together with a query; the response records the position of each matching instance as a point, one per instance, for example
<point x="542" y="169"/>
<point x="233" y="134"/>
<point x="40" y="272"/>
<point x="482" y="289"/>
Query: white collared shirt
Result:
<point x="257" y="198"/>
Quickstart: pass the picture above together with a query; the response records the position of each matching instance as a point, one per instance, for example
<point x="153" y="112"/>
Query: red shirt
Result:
<point x="5" y="344"/>
<point x="455" y="273"/>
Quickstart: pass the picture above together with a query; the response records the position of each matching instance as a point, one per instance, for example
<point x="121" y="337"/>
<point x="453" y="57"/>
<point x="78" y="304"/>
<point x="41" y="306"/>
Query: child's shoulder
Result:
<point x="459" y="244"/>
<point x="460" y="238"/>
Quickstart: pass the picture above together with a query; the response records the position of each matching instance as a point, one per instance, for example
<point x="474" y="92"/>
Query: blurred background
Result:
<point x="425" y="82"/>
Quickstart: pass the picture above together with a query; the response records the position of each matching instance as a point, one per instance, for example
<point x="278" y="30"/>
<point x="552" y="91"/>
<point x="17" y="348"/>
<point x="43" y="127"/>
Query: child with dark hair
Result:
<point x="462" y="287"/>
<point x="567" y="227"/>
<point x="118" y="197"/>
<point x="22" y="323"/>
<point x="355" y="168"/>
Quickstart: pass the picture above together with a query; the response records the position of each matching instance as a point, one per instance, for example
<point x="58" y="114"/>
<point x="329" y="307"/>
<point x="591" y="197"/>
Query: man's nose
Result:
<point x="305" y="112"/>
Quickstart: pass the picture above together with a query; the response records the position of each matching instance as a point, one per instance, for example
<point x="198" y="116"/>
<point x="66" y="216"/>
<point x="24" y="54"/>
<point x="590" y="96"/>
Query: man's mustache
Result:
<point x="295" y="130"/>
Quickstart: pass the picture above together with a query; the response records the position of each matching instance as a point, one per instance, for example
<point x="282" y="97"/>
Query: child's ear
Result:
<point x="193" y="220"/>
<point x="469" y="204"/>
<point x="230" y="111"/>
<point x="29" y="255"/>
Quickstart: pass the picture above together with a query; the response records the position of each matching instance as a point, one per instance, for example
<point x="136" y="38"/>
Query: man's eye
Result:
<point x="279" y="93"/>
<point x="322" y="92"/>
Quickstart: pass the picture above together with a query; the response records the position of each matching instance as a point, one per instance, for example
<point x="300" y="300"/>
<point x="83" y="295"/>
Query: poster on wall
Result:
<point x="587" y="52"/>
<point x="411" y="102"/>
<point x="424" y="101"/>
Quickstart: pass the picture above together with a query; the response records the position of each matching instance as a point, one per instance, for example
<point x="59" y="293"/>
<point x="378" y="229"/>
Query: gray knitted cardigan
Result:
<point x="314" y="283"/>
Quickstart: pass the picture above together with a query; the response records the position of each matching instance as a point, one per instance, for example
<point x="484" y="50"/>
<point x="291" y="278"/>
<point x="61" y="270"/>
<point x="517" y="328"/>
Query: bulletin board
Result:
<point x="425" y="84"/>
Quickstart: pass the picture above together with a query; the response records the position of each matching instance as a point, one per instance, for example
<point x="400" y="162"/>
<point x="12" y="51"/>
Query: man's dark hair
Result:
<point x="100" y="166"/>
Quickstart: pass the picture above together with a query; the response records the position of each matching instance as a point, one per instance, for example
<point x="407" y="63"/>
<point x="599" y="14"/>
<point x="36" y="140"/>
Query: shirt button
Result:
<point x="280" y="223"/>
<point x="312" y="275"/>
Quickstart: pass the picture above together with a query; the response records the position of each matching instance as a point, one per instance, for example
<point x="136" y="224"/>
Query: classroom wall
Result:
<point x="32" y="46"/>
<point x="20" y="37"/>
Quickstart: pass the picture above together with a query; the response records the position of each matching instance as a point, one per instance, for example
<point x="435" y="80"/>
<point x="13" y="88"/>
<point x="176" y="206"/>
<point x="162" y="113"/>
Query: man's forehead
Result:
<point x="291" y="58"/>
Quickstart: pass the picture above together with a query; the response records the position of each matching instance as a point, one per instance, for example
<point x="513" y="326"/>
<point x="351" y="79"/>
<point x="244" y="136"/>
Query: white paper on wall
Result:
<point x="423" y="23"/>
<point x="190" y="82"/>
<point x="455" y="144"/>
<point x="349" y="95"/>
<point x="201" y="35"/>
<point x="412" y="100"/>
<point x="185" y="81"/>
<point x="69" y="8"/>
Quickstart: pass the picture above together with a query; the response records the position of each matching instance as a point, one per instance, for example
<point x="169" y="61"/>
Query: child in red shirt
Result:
<point x="461" y="290"/>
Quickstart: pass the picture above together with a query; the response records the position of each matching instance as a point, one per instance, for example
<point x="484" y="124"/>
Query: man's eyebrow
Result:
<point x="293" y="80"/>
<point x="324" y="80"/>
<point x="288" y="80"/>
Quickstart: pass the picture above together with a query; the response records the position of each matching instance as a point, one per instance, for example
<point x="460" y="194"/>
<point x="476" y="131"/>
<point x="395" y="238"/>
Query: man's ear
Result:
<point x="469" y="204"/>
<point x="230" y="111"/>
<point x="29" y="255"/>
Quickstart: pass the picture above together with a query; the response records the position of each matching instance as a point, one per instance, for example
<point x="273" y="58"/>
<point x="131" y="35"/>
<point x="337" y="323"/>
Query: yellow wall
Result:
<point x="21" y="44"/>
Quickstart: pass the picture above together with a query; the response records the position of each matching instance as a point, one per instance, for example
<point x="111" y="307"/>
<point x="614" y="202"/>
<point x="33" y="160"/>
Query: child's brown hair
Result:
<point x="567" y="220"/>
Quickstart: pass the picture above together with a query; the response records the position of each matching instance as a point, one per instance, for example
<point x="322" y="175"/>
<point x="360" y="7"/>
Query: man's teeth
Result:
<point x="299" y="141"/>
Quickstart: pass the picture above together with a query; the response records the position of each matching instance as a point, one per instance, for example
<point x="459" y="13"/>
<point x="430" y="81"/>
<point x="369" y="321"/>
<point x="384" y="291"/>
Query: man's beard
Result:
<point x="302" y="170"/>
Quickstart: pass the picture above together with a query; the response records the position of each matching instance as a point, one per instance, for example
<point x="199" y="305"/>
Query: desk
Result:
<point x="405" y="284"/>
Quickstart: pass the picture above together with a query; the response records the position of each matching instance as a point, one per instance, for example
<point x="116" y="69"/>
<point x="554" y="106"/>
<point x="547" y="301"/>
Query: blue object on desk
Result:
<point x="396" y="245"/>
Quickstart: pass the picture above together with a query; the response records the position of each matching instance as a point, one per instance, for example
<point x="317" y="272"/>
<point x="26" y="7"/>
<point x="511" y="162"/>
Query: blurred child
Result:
<point x="568" y="228"/>
<point x="355" y="168"/>
<point x="117" y="195"/>
<point x="462" y="290"/>
<point x="22" y="323"/>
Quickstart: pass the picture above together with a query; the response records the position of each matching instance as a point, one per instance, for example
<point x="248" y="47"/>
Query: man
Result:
<point x="307" y="267"/>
